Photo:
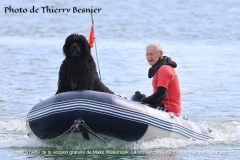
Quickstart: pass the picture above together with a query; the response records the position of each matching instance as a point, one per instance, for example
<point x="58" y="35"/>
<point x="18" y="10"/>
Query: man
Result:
<point x="166" y="89"/>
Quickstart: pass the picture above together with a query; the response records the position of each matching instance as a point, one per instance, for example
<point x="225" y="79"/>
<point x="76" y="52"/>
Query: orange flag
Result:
<point x="91" y="37"/>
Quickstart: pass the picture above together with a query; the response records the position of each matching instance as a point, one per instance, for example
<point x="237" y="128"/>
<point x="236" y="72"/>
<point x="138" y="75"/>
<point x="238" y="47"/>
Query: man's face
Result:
<point x="153" y="55"/>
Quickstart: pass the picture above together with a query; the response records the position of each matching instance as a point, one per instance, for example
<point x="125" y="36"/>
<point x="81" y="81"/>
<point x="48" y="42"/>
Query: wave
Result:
<point x="14" y="135"/>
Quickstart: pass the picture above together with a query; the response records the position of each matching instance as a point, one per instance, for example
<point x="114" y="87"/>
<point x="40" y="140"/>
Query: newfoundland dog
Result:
<point x="78" y="70"/>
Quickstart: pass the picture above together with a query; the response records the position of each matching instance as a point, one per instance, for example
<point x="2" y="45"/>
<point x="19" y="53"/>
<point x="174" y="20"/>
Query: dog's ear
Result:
<point x="64" y="49"/>
<point x="67" y="44"/>
<point x="85" y="45"/>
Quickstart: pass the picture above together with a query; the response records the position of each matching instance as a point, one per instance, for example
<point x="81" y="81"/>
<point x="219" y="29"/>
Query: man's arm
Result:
<point x="156" y="97"/>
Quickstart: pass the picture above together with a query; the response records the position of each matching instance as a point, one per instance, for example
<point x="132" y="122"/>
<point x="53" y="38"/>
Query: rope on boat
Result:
<point x="72" y="131"/>
<point x="79" y="125"/>
<point x="85" y="126"/>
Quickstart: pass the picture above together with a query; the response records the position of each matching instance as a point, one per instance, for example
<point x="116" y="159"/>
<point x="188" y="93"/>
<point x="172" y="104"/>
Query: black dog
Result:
<point x="78" y="70"/>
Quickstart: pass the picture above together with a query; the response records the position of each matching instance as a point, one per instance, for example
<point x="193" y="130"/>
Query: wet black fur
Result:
<point x="78" y="70"/>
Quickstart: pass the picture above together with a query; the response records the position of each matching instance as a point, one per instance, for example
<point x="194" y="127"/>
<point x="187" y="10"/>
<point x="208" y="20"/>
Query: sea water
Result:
<point x="203" y="37"/>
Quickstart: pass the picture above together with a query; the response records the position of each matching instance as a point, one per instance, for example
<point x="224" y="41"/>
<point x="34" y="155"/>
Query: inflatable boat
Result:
<point x="110" y="115"/>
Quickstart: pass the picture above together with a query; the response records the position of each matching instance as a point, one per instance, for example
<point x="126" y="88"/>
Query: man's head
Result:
<point x="153" y="52"/>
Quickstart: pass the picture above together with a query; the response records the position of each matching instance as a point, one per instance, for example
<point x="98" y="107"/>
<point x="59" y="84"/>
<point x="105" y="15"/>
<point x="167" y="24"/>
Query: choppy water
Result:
<point x="202" y="36"/>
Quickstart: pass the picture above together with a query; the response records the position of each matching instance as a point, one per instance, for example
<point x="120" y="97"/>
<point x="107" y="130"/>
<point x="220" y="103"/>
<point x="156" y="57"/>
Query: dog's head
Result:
<point x="76" y="46"/>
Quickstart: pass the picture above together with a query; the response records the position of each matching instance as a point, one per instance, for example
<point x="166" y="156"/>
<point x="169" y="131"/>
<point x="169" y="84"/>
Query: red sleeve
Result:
<point x="164" y="76"/>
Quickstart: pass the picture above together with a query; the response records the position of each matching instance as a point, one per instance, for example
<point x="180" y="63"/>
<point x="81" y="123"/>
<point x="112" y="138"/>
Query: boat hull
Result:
<point x="109" y="115"/>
